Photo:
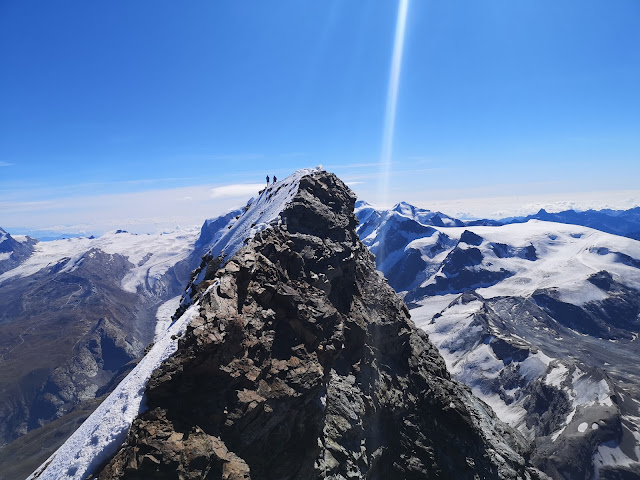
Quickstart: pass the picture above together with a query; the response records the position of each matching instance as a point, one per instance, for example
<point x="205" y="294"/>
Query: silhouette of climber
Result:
<point x="267" y="179"/>
<point x="274" y="179"/>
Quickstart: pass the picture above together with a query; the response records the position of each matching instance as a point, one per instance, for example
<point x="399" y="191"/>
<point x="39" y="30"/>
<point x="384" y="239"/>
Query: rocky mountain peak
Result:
<point x="303" y="363"/>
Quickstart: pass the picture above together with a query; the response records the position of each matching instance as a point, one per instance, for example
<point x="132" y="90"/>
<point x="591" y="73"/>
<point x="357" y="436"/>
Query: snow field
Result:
<point x="262" y="211"/>
<point x="163" y="317"/>
<point x="470" y="359"/>
<point x="567" y="256"/>
<point x="152" y="255"/>
<point x="610" y="455"/>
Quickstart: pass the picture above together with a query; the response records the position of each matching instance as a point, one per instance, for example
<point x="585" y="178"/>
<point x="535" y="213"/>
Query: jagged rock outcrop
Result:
<point x="303" y="363"/>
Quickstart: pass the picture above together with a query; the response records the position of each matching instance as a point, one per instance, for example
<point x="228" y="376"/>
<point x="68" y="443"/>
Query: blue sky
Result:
<point x="122" y="113"/>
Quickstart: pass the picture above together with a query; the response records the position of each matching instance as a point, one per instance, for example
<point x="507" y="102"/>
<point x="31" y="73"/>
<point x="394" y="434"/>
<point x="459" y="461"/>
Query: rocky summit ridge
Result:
<point x="301" y="362"/>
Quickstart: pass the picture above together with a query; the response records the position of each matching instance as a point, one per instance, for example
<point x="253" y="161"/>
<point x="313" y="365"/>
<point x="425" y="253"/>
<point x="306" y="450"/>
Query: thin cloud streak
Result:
<point x="236" y="190"/>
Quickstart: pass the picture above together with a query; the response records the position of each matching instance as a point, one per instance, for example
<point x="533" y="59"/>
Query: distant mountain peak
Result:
<point x="407" y="209"/>
<point x="361" y="204"/>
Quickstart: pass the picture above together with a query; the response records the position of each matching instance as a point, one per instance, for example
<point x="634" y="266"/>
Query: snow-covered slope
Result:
<point x="542" y="255"/>
<point x="75" y="315"/>
<point x="619" y="222"/>
<point x="540" y="319"/>
<point x="14" y="249"/>
<point x="387" y="234"/>
<point x="546" y="393"/>
<point x="259" y="212"/>
<point x="151" y="255"/>
<point x="105" y="430"/>
<point x="102" y="433"/>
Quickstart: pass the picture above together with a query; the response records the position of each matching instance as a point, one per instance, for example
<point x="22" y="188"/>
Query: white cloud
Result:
<point x="237" y="190"/>
<point x="80" y="228"/>
<point x="5" y="164"/>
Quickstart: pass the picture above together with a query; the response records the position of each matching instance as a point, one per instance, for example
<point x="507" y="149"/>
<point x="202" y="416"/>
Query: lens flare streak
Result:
<point x="392" y="101"/>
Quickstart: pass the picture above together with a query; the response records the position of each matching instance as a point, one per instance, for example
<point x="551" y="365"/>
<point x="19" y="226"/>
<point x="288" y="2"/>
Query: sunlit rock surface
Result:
<point x="303" y="363"/>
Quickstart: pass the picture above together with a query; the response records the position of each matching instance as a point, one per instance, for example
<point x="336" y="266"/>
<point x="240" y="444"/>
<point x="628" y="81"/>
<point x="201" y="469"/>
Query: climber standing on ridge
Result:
<point x="267" y="179"/>
<point x="274" y="179"/>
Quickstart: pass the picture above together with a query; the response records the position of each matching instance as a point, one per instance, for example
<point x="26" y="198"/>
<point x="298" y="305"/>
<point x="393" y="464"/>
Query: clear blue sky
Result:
<point x="103" y="98"/>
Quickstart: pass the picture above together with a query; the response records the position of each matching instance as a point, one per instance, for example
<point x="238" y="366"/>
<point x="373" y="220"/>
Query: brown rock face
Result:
<point x="304" y="364"/>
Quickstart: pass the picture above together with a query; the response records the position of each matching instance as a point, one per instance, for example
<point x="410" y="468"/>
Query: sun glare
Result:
<point x="392" y="101"/>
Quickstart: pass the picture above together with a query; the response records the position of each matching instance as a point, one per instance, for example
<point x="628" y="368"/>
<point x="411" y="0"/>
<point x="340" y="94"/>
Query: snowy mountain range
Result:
<point x="618" y="222"/>
<point x="291" y="359"/>
<point x="75" y="316"/>
<point x="540" y="319"/>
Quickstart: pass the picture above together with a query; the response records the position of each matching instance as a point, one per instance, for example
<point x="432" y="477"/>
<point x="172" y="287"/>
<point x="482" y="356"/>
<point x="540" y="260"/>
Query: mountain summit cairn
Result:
<point x="302" y="363"/>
